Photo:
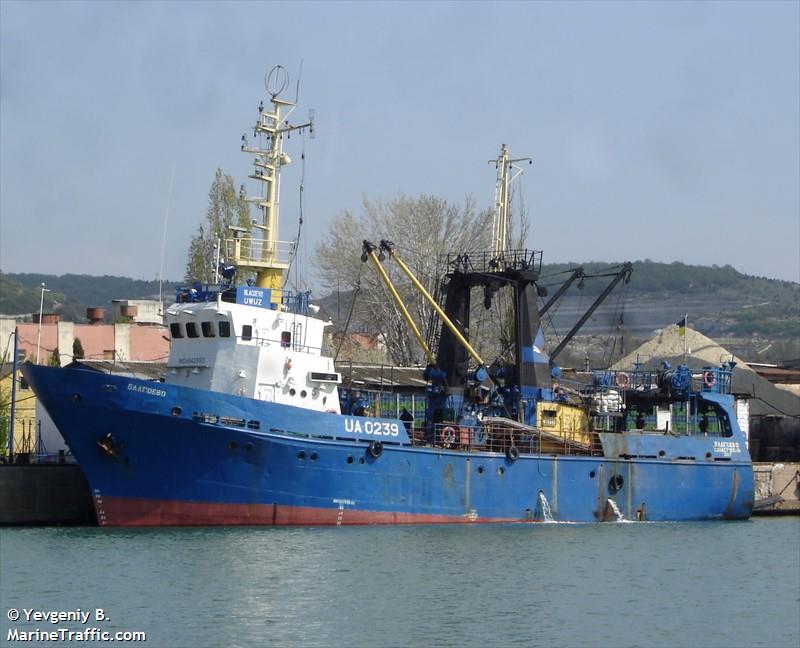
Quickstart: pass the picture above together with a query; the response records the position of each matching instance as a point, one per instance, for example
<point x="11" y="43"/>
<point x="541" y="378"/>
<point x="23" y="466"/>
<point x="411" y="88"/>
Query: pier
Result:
<point x="777" y="488"/>
<point x="44" y="495"/>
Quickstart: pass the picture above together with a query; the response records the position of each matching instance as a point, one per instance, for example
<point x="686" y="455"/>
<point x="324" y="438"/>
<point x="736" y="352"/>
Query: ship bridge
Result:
<point x="254" y="342"/>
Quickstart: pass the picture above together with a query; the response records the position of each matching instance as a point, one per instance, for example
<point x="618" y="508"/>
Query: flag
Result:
<point x="682" y="326"/>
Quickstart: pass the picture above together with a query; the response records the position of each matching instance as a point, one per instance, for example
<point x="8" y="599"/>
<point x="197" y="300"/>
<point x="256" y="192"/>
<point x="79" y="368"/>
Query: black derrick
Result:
<point x="624" y="274"/>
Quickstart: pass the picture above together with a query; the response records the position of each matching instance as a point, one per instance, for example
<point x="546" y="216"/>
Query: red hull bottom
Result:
<point x="122" y="511"/>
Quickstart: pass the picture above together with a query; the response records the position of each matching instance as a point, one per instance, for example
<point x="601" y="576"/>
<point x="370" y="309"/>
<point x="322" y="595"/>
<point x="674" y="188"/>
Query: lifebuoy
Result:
<point x="709" y="378"/>
<point x="512" y="453"/>
<point x="448" y="437"/>
<point x="623" y="380"/>
<point x="375" y="449"/>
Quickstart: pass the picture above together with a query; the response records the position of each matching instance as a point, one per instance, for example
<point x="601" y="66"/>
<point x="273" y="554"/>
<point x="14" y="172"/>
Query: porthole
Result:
<point x="615" y="484"/>
<point x="501" y="471"/>
<point x="661" y="453"/>
<point x="292" y="391"/>
<point x="176" y="411"/>
<point x="314" y="456"/>
<point x="591" y="474"/>
<point x="349" y="459"/>
<point x="77" y="398"/>
<point x="233" y="445"/>
<point x="480" y="470"/>
<point x="301" y="455"/>
<point x="303" y="394"/>
<point x="248" y="446"/>
<point x="361" y="460"/>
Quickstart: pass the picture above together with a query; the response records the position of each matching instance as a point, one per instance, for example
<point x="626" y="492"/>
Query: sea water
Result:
<point x="642" y="584"/>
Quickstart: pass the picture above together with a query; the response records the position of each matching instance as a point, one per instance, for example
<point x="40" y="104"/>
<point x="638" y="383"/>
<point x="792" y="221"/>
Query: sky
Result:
<point x="668" y="131"/>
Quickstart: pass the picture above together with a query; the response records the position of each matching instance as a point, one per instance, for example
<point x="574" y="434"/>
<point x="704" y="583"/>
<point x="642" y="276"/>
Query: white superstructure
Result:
<point x="257" y="341"/>
<point x="270" y="354"/>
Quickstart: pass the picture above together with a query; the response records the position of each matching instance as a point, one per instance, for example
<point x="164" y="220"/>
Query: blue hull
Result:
<point x="154" y="454"/>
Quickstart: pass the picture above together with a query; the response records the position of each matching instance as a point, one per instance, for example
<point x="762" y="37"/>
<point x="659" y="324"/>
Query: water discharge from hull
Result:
<point x="618" y="517"/>
<point x="543" y="511"/>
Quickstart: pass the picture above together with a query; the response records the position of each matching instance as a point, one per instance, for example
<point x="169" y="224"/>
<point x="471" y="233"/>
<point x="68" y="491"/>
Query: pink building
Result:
<point x="99" y="341"/>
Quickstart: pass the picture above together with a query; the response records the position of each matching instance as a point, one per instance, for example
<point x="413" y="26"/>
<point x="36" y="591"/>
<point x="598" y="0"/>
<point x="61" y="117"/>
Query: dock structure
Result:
<point x="777" y="488"/>
<point x="45" y="494"/>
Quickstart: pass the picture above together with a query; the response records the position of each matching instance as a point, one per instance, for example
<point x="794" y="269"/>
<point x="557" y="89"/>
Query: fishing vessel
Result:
<point x="251" y="425"/>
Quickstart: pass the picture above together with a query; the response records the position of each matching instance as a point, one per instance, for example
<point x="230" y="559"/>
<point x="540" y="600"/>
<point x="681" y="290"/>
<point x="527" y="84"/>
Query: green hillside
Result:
<point x="747" y="312"/>
<point x="71" y="294"/>
<point x="719" y="300"/>
<point x="664" y="280"/>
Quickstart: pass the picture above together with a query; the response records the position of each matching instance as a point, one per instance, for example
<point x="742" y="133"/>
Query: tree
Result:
<point x="77" y="350"/>
<point x="226" y="207"/>
<point x="55" y="359"/>
<point x="422" y="229"/>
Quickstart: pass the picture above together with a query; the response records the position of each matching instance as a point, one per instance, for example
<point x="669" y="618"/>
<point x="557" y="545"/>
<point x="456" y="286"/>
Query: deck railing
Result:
<point x="500" y="438"/>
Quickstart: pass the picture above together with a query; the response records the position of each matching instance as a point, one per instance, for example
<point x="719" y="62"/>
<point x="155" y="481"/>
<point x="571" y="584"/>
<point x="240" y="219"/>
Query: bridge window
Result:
<point x="191" y="330"/>
<point x="175" y="330"/>
<point x="247" y="332"/>
<point x="208" y="329"/>
<point x="225" y="328"/>
<point x="712" y="420"/>
<point x="286" y="340"/>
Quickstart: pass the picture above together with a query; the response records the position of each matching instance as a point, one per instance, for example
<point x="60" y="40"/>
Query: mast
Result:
<point x="263" y="252"/>
<point x="517" y="271"/>
<point x="503" y="164"/>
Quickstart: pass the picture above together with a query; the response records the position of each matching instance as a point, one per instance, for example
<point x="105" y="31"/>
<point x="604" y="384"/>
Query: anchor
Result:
<point x="109" y="445"/>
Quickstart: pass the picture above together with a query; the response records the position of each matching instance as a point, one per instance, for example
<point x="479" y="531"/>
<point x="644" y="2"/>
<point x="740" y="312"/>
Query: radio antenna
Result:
<point x="297" y="86"/>
<point x="164" y="244"/>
